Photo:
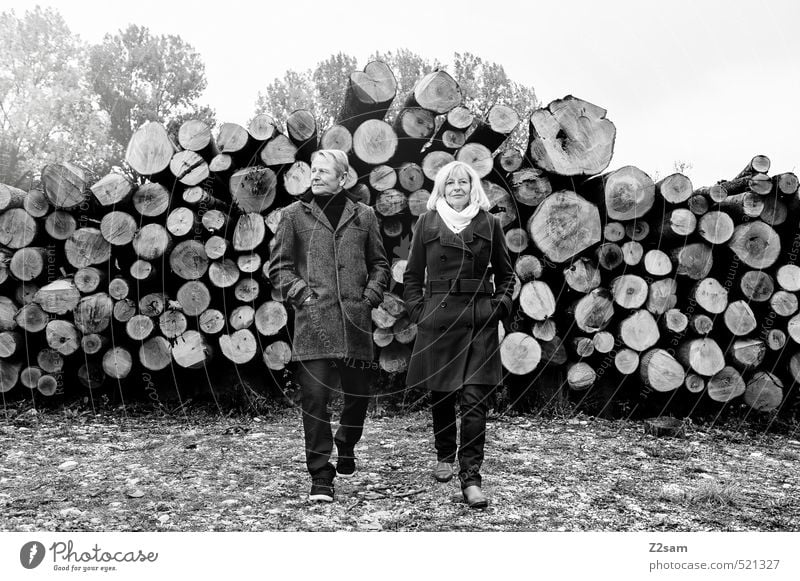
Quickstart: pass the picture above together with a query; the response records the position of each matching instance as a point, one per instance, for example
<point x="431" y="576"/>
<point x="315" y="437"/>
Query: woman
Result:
<point x="456" y="308"/>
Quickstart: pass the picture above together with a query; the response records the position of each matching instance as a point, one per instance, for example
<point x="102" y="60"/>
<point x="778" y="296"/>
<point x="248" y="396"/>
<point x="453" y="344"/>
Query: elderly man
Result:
<point x="328" y="261"/>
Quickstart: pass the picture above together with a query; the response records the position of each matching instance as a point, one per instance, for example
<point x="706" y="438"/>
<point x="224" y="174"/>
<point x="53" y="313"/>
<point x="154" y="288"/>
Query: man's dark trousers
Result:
<point x="318" y="378"/>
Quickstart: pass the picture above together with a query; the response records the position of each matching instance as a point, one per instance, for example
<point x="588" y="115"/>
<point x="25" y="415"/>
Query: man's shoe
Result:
<point x="443" y="471"/>
<point x="346" y="466"/>
<point x="321" y="490"/>
<point x="474" y="497"/>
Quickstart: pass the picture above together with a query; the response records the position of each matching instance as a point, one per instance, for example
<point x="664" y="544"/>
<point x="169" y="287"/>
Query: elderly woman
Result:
<point x="459" y="245"/>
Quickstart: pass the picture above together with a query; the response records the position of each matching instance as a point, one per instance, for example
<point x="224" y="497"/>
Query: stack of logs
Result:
<point x="691" y="289"/>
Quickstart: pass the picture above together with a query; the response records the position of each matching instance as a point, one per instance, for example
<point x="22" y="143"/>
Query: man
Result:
<point x="328" y="261"/>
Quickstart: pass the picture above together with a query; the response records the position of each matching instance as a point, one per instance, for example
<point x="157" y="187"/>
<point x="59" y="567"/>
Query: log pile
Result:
<point x="676" y="287"/>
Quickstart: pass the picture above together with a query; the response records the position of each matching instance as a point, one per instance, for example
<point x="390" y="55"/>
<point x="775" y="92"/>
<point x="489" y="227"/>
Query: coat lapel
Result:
<point x="347" y="214"/>
<point x="318" y="214"/>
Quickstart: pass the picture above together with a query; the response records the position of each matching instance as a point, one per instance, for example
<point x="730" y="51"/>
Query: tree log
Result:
<point x="715" y="227"/>
<point x="629" y="291"/>
<point x="302" y="129"/>
<point x="537" y="301"/>
<point x="530" y="186"/>
<point x="59" y="225"/>
<point x="520" y="353"/>
<point x="253" y="189"/>
<point x="277" y="355"/>
<point x="702" y="355"/>
<point x="189" y="167"/>
<point x="65" y="185"/>
<point x="594" y="311"/>
<point x="725" y="385"/>
<point x="564" y="225"/>
<point x="639" y="331"/>
<point x="374" y="142"/>
<point x="188" y="260"/>
<point x="117" y="362"/>
<point x="571" y="137"/>
<point x="112" y="189"/>
<point x="151" y="200"/>
<point x="369" y="95"/>
<point x="239" y="347"/>
<point x="191" y="351"/>
<point x="710" y="295"/>
<point x="693" y="260"/>
<point x="194" y="297"/>
<point x="155" y="353"/>
<point x="764" y="392"/>
<point x="660" y="371"/>
<point x="17" y="228"/>
<point x="675" y="188"/>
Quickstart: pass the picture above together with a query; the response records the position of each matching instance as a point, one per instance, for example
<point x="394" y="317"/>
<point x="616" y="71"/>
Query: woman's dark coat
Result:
<point x="457" y="341"/>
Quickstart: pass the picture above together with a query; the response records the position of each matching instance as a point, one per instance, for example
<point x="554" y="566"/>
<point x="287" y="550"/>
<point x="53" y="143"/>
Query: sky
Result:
<point x="708" y="83"/>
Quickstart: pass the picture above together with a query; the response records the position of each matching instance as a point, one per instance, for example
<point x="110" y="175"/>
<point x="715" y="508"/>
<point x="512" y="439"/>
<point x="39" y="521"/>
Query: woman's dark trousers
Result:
<point x="473" y="401"/>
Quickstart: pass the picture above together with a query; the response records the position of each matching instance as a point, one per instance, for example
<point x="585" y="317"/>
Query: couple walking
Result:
<point x="329" y="263"/>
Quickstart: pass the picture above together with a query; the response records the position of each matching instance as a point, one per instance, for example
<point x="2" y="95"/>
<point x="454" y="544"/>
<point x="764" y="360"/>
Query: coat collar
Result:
<point x="350" y="210"/>
<point x="479" y="226"/>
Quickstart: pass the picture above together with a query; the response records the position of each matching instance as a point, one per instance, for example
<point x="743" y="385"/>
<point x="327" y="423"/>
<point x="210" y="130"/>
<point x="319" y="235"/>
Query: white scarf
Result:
<point x="453" y="219"/>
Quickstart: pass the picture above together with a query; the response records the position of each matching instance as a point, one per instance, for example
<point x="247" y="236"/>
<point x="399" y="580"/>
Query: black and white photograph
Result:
<point x="284" y="269"/>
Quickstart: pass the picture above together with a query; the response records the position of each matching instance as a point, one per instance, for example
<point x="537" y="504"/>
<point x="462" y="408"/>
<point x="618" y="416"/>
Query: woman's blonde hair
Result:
<point x="476" y="194"/>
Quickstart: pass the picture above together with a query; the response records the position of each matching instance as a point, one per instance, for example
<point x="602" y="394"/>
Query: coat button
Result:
<point x="443" y="305"/>
<point x="341" y="267"/>
<point x="442" y="328"/>
<point x="468" y="325"/>
<point x="466" y="301"/>
<point x="442" y="258"/>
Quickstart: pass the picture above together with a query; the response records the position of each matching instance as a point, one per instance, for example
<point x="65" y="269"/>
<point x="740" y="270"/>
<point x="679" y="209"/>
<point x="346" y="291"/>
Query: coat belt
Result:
<point x="460" y="285"/>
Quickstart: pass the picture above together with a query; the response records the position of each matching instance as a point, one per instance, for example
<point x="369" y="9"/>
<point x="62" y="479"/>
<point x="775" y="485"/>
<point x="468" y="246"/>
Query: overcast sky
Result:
<point x="711" y="83"/>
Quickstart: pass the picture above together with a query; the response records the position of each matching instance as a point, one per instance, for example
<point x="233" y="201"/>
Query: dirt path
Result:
<point x="61" y="471"/>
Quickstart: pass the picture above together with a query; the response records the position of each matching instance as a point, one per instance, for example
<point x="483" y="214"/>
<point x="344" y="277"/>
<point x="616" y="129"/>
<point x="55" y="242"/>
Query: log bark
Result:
<point x="571" y="137"/>
<point x="742" y="206"/>
<point x="413" y="126"/>
<point x="677" y="224"/>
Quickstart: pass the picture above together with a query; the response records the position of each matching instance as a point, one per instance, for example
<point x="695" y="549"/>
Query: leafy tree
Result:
<point x="47" y="110"/>
<point x="322" y="89"/>
<point x="140" y="77"/>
